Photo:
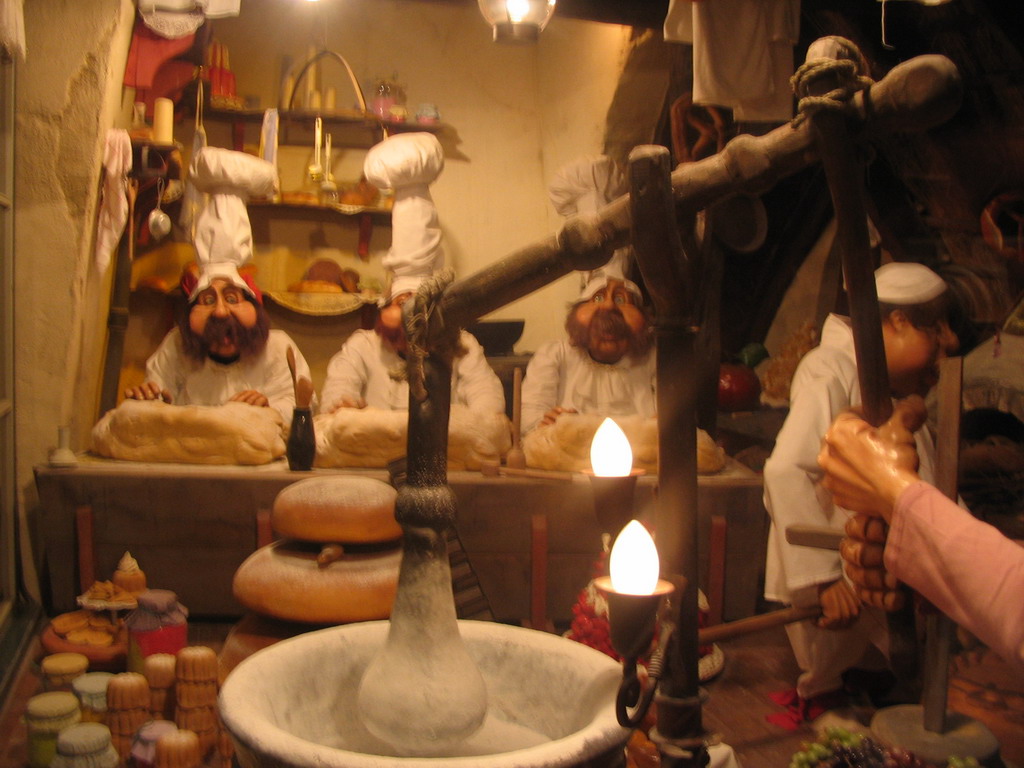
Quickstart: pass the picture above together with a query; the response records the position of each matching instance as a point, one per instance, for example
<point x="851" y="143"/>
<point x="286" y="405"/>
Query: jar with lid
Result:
<point x="158" y="625"/>
<point x="60" y="670"/>
<point x="143" y="754"/>
<point x="91" y="690"/>
<point x="85" y="745"/>
<point x="46" y="715"/>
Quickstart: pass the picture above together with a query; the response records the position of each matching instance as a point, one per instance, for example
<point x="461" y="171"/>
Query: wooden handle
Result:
<point x="757" y="623"/>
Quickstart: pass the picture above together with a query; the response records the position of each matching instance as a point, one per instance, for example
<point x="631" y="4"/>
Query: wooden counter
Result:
<point x="191" y="526"/>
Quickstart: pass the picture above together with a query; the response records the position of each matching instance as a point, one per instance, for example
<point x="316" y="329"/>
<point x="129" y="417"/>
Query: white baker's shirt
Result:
<point x="824" y="385"/>
<point x="561" y="375"/>
<point x="211" y="383"/>
<point x="363" y="366"/>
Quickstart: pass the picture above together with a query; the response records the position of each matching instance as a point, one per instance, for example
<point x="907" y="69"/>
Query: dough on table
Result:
<point x="151" y="430"/>
<point x="373" y="437"/>
<point x="565" y="445"/>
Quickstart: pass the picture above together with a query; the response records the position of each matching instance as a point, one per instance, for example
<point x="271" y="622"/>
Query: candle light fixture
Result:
<point x="613" y="479"/>
<point x="635" y="595"/>
<point x="517" y="21"/>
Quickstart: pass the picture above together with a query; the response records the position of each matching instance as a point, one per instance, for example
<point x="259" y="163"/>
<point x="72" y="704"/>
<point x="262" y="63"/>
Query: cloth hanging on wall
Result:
<point x="117" y="164"/>
<point x="742" y="53"/>
<point x="12" y="27"/>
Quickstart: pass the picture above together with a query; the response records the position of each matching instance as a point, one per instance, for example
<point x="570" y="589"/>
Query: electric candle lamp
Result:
<point x="613" y="478"/>
<point x="517" y="21"/>
<point x="634" y="594"/>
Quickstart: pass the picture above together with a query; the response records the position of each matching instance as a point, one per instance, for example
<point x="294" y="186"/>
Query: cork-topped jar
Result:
<point x="85" y="745"/>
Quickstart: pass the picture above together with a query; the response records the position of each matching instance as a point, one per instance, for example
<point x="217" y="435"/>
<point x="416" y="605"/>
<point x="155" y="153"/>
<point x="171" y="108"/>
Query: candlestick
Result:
<point x="163" y="121"/>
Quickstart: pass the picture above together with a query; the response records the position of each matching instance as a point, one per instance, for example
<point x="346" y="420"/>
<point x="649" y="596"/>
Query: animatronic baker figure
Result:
<point x="605" y="367"/>
<point x="223" y="349"/>
<point x="369" y="370"/>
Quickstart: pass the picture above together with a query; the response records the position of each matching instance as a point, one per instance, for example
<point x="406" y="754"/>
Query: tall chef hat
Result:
<point x="599" y="278"/>
<point x="584" y="186"/>
<point x="223" y="236"/>
<point x="408" y="163"/>
<point x="905" y="282"/>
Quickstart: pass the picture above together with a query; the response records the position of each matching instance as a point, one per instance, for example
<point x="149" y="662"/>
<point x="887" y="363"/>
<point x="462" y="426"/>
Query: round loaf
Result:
<point x="336" y="509"/>
<point x="284" y="581"/>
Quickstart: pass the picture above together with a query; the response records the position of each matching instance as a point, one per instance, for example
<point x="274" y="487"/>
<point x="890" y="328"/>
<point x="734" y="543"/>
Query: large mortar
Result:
<point x="550" y="702"/>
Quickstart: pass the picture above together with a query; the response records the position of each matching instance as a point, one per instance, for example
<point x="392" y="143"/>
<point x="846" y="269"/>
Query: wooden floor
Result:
<point x="736" y="707"/>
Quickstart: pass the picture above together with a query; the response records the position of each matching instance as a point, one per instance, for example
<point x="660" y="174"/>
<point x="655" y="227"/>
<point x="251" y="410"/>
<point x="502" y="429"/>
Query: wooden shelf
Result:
<point x="313" y="212"/>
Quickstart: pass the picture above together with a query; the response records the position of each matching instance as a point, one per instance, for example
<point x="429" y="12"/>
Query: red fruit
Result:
<point x="739" y="389"/>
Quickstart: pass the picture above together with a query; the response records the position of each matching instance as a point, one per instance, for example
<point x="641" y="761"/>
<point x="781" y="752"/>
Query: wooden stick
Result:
<point x="516" y="458"/>
<point x="758" y="623"/>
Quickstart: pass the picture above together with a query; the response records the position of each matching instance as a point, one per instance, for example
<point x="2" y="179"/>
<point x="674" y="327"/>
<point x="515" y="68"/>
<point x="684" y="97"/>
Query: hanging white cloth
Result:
<point x="742" y="53"/>
<point x="12" y="27"/>
<point x="117" y="164"/>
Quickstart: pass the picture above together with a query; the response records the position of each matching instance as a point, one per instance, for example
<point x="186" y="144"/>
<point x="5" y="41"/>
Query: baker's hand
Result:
<point x="147" y="390"/>
<point x="862" y="551"/>
<point x="349" y="402"/>
<point x="839" y="605"/>
<point x="554" y="413"/>
<point x="250" y="396"/>
<point x="866" y="469"/>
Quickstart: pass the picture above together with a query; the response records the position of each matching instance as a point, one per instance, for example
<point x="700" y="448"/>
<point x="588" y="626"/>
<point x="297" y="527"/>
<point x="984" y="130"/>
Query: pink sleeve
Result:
<point x="965" y="567"/>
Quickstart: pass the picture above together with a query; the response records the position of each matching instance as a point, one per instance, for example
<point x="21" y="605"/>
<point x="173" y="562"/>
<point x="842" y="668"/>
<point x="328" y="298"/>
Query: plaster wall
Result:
<point x="68" y="92"/>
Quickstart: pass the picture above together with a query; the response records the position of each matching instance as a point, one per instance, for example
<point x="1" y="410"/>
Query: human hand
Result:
<point x="554" y="413"/>
<point x="862" y="552"/>
<point x="349" y="402"/>
<point x="867" y="468"/>
<point x="839" y="605"/>
<point x="250" y="396"/>
<point x="147" y="390"/>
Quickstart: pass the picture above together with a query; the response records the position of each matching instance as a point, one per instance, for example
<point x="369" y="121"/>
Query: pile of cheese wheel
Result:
<point x="337" y="556"/>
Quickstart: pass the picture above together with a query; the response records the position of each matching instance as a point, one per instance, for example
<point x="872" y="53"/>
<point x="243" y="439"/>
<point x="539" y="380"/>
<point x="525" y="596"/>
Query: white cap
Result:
<point x="599" y="279"/>
<point x="906" y="282"/>
<point x="585" y="186"/>
<point x="408" y="163"/>
<point x="223" y="235"/>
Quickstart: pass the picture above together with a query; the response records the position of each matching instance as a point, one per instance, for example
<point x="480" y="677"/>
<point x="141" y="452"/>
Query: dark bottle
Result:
<point x="301" y="440"/>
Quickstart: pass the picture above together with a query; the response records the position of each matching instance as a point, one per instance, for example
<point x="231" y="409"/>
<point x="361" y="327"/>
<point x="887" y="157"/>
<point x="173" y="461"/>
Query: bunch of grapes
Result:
<point x="589" y="628"/>
<point x="840" y="748"/>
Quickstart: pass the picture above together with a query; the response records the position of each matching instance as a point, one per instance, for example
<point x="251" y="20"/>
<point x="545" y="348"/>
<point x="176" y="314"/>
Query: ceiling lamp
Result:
<point x="517" y="21"/>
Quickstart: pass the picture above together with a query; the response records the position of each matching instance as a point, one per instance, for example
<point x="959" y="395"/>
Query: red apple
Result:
<point x="739" y="389"/>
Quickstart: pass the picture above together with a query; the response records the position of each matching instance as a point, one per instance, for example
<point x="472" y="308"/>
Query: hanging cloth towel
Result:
<point x="117" y="164"/>
<point x="742" y="53"/>
<point x="12" y="27"/>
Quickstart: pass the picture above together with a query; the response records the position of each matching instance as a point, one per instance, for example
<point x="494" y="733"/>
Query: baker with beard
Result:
<point x="222" y="348"/>
<point x="606" y="366"/>
<point x="369" y="371"/>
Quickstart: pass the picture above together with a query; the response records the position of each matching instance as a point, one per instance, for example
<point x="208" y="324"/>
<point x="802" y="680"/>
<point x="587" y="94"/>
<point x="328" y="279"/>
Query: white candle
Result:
<point x="330" y="99"/>
<point x="163" y="121"/>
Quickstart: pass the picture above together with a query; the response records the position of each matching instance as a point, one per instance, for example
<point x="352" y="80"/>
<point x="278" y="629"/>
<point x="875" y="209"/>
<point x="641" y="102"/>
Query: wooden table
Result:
<point x="191" y="526"/>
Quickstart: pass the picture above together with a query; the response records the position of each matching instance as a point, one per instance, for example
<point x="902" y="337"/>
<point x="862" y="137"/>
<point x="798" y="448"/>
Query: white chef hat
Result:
<point x="223" y="236"/>
<point x="584" y="186"/>
<point x="408" y="163"/>
<point x="599" y="278"/>
<point x="905" y="283"/>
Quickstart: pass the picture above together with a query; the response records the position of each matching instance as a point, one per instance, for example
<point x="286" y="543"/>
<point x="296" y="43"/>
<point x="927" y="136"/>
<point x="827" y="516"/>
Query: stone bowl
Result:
<point x="551" y="702"/>
<point x="497" y="337"/>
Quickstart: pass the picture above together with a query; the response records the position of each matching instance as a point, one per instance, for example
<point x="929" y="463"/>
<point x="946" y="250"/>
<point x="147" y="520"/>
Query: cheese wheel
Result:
<point x="284" y="581"/>
<point x="336" y="509"/>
